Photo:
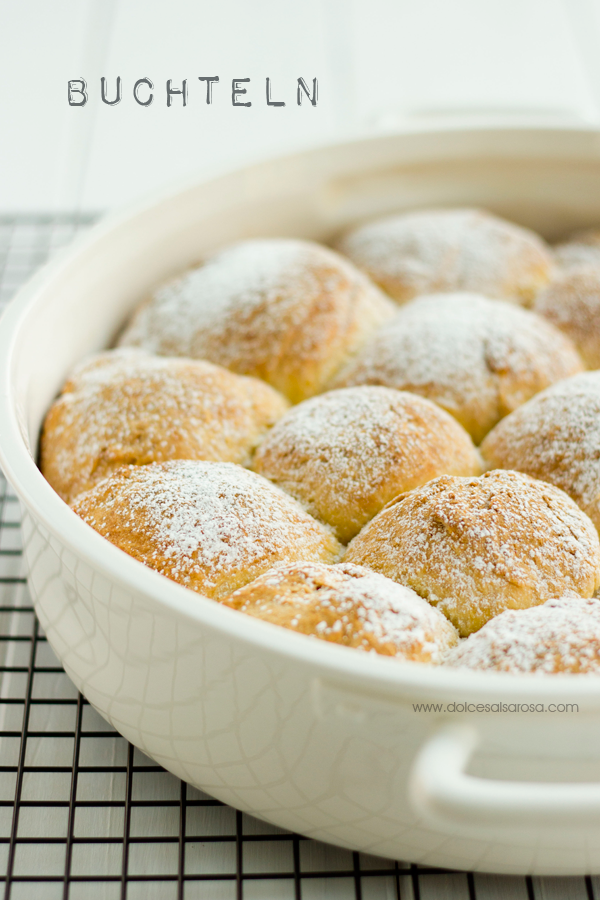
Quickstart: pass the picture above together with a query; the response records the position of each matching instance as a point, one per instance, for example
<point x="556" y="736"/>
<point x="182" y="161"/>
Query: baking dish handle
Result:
<point x="449" y="799"/>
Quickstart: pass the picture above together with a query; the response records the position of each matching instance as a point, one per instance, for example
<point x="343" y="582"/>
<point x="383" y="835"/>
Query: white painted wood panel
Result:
<point x="379" y="63"/>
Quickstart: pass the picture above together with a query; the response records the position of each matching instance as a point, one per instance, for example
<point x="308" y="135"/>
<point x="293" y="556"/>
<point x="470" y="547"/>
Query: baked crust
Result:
<point x="563" y="635"/>
<point x="127" y="407"/>
<point x="209" y="526"/>
<point x="290" y="312"/>
<point x="479" y="359"/>
<point x="348" y="605"/>
<point x="434" y="250"/>
<point x="345" y="454"/>
<point x="582" y="248"/>
<point x="556" y="438"/>
<point x="475" y="547"/>
<point x="572" y="303"/>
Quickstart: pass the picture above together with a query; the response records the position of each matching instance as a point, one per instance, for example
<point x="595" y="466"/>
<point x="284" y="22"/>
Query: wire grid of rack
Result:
<point x="85" y="816"/>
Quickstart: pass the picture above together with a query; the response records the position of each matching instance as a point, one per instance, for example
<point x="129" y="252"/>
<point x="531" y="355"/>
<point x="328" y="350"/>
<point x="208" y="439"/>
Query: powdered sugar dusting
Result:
<point x="287" y="311"/>
<point x="556" y="437"/>
<point x="349" y="605"/>
<point x="582" y="248"/>
<point x="210" y="526"/>
<point x="450" y="250"/>
<point x="572" y="303"/>
<point x="244" y="277"/>
<point x="477" y="358"/>
<point x="128" y="407"/>
<point x="344" y="454"/>
<point x="477" y="546"/>
<point x="563" y="635"/>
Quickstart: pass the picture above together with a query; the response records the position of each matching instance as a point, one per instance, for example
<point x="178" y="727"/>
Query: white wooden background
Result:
<point x="379" y="63"/>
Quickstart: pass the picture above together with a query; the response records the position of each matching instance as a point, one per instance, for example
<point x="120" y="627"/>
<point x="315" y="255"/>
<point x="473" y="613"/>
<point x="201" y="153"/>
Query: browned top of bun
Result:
<point x="348" y="605"/>
<point x="432" y="250"/>
<point x="290" y="312"/>
<point x="127" y="407"/>
<point x="477" y="546"/>
<point x="210" y="526"/>
<point x="555" y="437"/>
<point x="477" y="358"/>
<point x="345" y="454"/>
<point x="562" y="635"/>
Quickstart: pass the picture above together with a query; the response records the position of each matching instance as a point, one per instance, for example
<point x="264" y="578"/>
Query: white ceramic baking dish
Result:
<point x="309" y="736"/>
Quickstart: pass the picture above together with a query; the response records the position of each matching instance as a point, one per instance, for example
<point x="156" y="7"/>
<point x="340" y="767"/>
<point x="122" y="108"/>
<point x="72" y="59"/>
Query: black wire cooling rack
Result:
<point x="86" y="816"/>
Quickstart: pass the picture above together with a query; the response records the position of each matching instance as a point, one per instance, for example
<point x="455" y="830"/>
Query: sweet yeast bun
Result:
<point x="290" y="312"/>
<point x="555" y="437"/>
<point x="474" y="547"/>
<point x="434" y="250"/>
<point x="582" y="248"/>
<point x="128" y="407"/>
<point x="348" y="605"/>
<point x="345" y="454"/>
<point x="210" y="526"/>
<point x="477" y="358"/>
<point x="572" y="303"/>
<point x="562" y="635"/>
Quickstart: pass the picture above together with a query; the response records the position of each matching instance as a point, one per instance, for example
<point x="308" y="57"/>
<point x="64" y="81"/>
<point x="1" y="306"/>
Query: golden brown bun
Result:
<point x="572" y="303"/>
<point x="348" y="605"/>
<point x="556" y="438"/>
<point x="477" y="358"/>
<point x="562" y="635"/>
<point x="434" y="250"/>
<point x="209" y="526"/>
<point x="345" y="454"/>
<point x="127" y="407"/>
<point x="474" y="547"/>
<point x="287" y="311"/>
<point x="582" y="248"/>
